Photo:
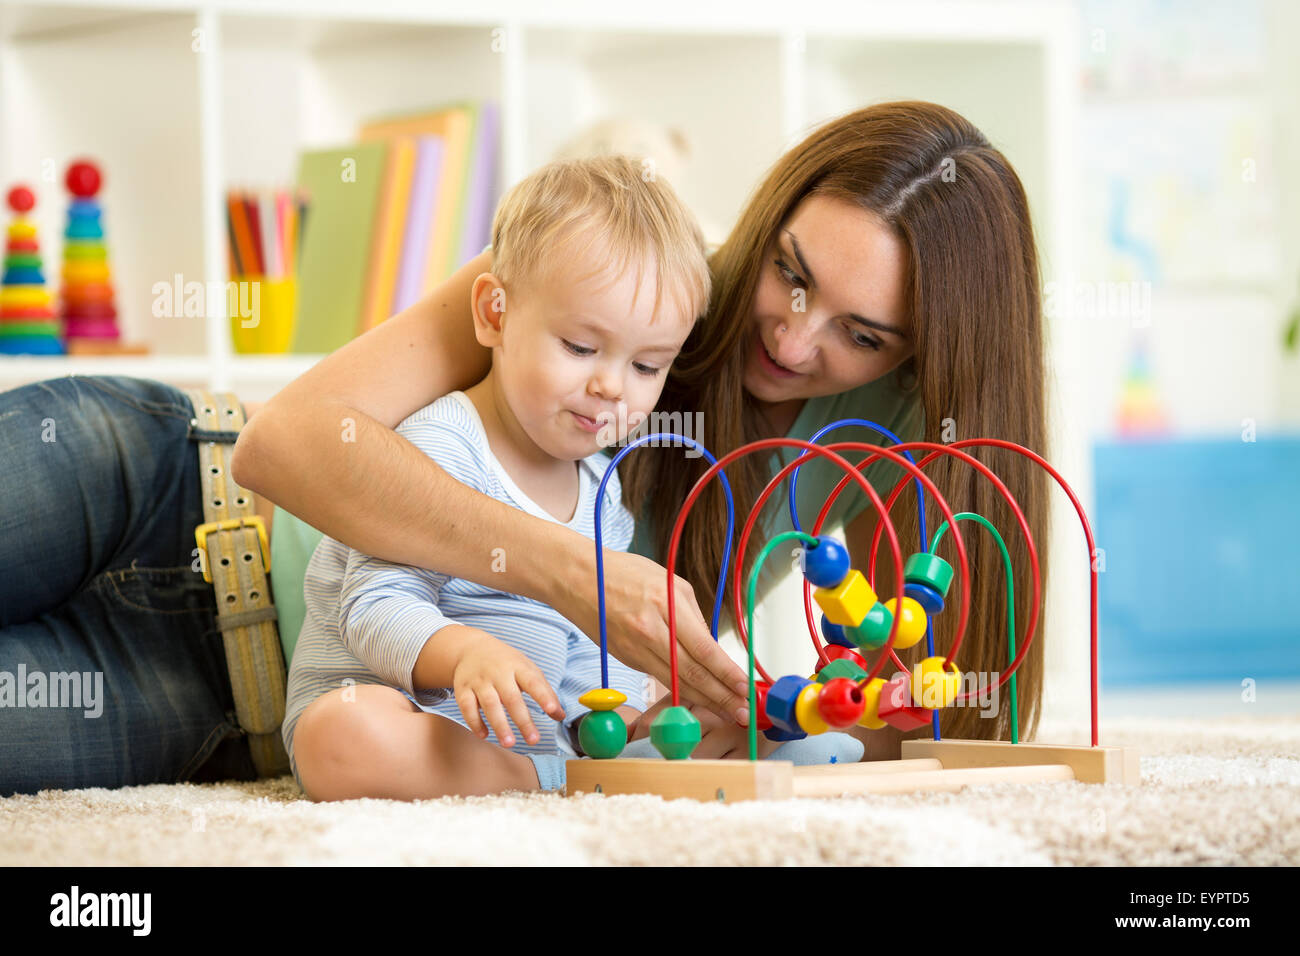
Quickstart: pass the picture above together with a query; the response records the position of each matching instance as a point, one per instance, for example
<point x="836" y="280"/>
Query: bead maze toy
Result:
<point x="847" y="690"/>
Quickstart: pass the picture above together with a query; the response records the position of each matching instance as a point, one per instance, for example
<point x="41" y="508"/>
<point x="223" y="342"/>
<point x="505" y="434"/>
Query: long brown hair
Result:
<point x="972" y="288"/>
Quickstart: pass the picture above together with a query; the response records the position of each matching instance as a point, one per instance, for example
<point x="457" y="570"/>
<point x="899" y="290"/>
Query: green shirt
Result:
<point x="880" y="401"/>
<point x="293" y="540"/>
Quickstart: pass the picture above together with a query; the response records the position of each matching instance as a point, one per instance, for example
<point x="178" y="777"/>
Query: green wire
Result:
<point x="749" y="624"/>
<point x="1011" y="605"/>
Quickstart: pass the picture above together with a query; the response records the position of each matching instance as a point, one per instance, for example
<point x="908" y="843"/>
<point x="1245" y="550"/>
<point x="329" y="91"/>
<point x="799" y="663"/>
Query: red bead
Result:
<point x="83" y="179"/>
<point x="834" y="653"/>
<point x="841" y="703"/>
<point x="21" y="199"/>
<point x="896" y="707"/>
<point x="760" y="693"/>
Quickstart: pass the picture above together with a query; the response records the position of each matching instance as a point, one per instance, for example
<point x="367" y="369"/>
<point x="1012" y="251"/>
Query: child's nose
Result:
<point x="608" y="384"/>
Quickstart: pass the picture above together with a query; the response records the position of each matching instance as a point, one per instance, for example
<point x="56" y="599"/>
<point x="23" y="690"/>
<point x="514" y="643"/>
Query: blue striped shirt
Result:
<point x="367" y="620"/>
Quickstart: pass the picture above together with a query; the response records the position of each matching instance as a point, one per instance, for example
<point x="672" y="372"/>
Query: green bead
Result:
<point x="602" y="734"/>
<point x="873" y="632"/>
<point x="930" y="569"/>
<point x="675" y="733"/>
<point x="842" y="667"/>
<point x="21" y="260"/>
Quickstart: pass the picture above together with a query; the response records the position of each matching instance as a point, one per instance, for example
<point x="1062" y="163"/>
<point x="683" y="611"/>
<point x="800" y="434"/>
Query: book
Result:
<point x="386" y="251"/>
<point x="452" y="123"/>
<point x="342" y="187"/>
<point x="420" y="218"/>
<point x="481" y="199"/>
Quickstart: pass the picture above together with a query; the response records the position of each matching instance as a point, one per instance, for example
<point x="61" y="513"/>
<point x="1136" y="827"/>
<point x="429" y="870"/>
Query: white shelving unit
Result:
<point x="179" y="101"/>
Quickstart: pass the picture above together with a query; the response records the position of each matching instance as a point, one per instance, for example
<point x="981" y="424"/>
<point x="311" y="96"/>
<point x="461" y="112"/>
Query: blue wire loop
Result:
<point x="920" y="511"/>
<point x="600" y="560"/>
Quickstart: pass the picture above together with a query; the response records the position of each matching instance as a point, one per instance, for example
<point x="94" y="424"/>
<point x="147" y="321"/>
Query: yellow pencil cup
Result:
<point x="262" y="312"/>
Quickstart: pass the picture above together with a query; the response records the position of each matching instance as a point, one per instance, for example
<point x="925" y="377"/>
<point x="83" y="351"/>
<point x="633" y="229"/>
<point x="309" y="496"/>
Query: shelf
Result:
<point x="18" y="370"/>
<point x="174" y="127"/>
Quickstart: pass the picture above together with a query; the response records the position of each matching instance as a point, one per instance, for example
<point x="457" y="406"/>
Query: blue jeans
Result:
<point x="99" y="498"/>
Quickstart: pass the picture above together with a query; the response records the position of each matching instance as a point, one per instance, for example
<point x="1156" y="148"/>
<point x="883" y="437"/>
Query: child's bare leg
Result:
<point x="376" y="743"/>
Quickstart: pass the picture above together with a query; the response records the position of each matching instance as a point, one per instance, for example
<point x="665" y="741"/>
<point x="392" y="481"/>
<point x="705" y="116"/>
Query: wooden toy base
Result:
<point x="103" y="347"/>
<point x="926" y="766"/>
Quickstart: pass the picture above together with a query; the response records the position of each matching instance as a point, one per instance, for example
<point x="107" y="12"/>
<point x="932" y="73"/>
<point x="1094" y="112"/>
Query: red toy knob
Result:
<point x="83" y="179"/>
<point x="21" y="199"/>
<point x="760" y="694"/>
<point x="841" y="703"/>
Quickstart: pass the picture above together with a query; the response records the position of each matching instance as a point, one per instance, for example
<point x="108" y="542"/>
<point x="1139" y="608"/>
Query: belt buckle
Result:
<point x="253" y="521"/>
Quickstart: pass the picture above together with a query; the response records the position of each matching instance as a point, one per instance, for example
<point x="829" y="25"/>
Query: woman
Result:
<point x="884" y="269"/>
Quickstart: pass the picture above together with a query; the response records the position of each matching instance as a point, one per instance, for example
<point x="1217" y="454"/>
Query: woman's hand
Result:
<point x="719" y="739"/>
<point x="636" y="618"/>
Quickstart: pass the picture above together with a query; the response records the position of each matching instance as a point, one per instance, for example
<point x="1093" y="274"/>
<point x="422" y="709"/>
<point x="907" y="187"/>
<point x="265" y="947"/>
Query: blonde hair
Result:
<point x="561" y="211"/>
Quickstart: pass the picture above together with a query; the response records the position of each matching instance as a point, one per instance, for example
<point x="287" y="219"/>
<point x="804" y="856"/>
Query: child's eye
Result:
<point x="577" y="349"/>
<point x="646" y="369"/>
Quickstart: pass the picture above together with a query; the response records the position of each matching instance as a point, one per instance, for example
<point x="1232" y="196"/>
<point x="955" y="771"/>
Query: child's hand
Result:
<point x="492" y="675"/>
<point x="719" y="739"/>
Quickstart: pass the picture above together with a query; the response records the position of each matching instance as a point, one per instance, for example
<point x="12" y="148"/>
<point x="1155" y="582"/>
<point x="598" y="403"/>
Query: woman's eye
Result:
<point x="788" y="274"/>
<point x="576" y="349"/>
<point x="863" y="341"/>
<point x="646" y="369"/>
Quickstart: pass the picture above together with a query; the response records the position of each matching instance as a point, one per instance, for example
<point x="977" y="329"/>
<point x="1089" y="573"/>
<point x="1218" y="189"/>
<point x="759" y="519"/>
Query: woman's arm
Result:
<point x="324" y="449"/>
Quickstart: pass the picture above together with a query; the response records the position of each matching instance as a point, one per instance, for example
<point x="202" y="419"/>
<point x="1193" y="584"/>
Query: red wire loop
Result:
<point x="854" y="473"/>
<point x="812" y="451"/>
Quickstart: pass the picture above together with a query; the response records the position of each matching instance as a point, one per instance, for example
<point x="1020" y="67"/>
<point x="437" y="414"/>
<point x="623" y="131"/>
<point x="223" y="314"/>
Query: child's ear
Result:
<point x="488" y="303"/>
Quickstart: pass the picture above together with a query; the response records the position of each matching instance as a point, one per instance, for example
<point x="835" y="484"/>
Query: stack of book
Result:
<point x="390" y="217"/>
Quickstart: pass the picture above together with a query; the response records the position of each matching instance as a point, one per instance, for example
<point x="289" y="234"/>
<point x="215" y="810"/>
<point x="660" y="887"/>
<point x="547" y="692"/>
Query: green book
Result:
<point x="343" y="187"/>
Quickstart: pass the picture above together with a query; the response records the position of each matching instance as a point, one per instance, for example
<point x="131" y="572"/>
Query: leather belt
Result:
<point x="236" y="558"/>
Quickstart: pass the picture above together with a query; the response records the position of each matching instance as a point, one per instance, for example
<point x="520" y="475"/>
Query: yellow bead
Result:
<point x="847" y="603"/>
<point x="602" y="698"/>
<point x="805" y="711"/>
<point x="911" y="628"/>
<point x="933" y="686"/>
<point x="871" y="694"/>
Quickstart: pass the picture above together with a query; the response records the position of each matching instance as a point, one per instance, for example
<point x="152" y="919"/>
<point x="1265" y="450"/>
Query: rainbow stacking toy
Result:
<point x="87" y="307"/>
<point x="846" y="689"/>
<point x="28" y="325"/>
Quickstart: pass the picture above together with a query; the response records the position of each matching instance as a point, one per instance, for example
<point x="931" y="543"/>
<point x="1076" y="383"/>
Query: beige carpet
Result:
<point x="1221" y="793"/>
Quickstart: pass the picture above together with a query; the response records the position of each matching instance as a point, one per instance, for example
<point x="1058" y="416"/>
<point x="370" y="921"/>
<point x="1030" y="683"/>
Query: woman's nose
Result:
<point x="794" y="341"/>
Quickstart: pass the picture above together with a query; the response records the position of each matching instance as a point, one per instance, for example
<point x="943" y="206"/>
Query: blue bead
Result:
<point x="781" y="698"/>
<point x="924" y="595"/>
<point x="779" y="735"/>
<point x="832" y="633"/>
<point x="826" y="565"/>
